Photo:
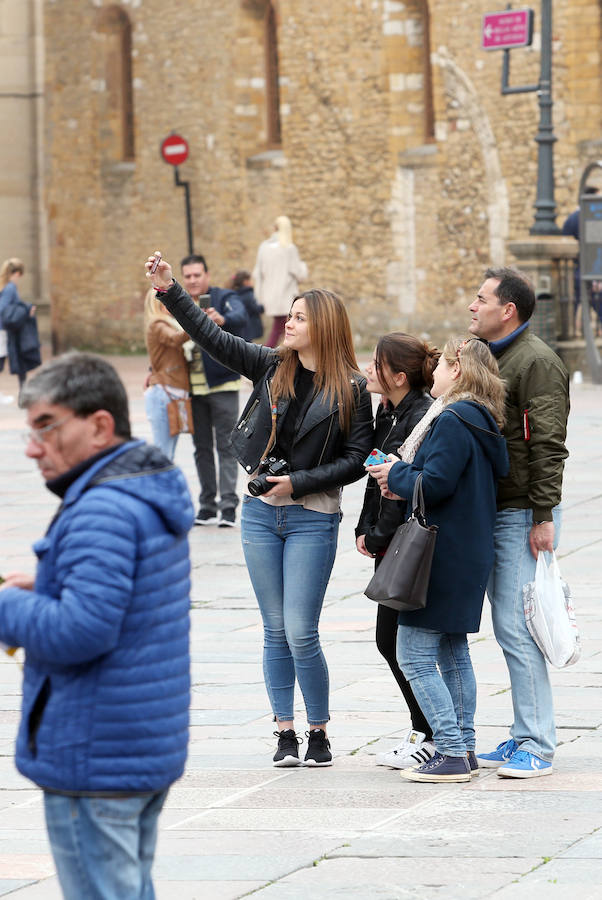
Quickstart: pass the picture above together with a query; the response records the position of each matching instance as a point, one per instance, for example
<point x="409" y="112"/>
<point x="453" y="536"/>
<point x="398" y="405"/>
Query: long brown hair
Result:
<point x="329" y="332"/>
<point x="479" y="378"/>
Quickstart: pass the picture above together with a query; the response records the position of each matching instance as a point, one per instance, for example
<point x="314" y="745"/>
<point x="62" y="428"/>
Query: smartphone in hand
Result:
<point x="155" y="264"/>
<point x="376" y="457"/>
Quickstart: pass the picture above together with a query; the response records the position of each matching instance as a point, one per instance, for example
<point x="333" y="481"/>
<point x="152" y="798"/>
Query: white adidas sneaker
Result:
<point x="412" y="751"/>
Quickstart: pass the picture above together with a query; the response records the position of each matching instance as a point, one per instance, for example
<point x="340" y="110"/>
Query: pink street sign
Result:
<point x="507" y="29"/>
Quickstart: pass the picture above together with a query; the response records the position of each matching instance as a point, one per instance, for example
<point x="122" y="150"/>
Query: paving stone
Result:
<point x="400" y="879"/>
<point x="197" y="890"/>
<point x="234" y="824"/>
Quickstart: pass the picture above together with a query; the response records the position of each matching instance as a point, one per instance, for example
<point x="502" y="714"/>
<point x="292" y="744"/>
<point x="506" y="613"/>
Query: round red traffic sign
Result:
<point x="174" y="149"/>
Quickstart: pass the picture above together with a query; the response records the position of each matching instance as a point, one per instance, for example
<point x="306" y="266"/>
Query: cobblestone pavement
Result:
<point x="235" y="825"/>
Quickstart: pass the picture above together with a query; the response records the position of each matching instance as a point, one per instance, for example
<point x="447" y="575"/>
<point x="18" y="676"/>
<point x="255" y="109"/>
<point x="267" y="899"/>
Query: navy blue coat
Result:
<point x="105" y="631"/>
<point x="461" y="458"/>
<point x="21" y="330"/>
<point x="253" y="309"/>
<point x="230" y="306"/>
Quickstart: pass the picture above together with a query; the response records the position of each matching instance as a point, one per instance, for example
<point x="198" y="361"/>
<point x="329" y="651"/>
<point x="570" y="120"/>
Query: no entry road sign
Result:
<point x="507" y="29"/>
<point x="174" y="150"/>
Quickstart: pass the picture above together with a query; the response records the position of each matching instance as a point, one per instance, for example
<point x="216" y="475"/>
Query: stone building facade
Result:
<point x="378" y="126"/>
<point x="22" y="216"/>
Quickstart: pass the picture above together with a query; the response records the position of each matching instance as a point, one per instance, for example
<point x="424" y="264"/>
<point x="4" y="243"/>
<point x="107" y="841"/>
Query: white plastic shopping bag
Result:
<point x="550" y="614"/>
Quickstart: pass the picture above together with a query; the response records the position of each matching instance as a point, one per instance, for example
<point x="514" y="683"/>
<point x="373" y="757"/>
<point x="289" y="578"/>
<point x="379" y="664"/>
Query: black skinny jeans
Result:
<point x="386" y="641"/>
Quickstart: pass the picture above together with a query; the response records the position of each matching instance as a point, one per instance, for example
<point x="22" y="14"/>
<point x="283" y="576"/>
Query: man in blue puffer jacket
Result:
<point x="105" y="628"/>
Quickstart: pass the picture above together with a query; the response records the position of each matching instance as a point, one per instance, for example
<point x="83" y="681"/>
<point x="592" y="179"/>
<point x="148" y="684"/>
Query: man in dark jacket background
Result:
<point x="528" y="518"/>
<point x="105" y="628"/>
<point x="214" y="390"/>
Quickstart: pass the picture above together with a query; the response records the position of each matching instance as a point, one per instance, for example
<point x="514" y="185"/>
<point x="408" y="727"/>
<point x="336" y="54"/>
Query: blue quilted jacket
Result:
<point x="106" y="631"/>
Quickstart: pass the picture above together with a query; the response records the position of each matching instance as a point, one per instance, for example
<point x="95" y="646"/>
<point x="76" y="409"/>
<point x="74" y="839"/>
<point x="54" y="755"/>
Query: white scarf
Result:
<point x="411" y="445"/>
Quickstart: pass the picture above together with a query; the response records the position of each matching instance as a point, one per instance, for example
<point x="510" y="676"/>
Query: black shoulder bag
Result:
<point x="401" y="581"/>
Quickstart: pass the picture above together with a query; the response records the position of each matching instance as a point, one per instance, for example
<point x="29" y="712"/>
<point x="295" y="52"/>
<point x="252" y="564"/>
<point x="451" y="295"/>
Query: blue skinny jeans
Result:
<point x="290" y="551"/>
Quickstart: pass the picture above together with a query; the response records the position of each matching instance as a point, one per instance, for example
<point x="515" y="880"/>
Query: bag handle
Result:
<point x="418" y="509"/>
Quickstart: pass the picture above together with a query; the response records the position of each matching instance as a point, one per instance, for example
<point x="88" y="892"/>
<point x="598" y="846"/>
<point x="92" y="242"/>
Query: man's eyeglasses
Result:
<point x="39" y="435"/>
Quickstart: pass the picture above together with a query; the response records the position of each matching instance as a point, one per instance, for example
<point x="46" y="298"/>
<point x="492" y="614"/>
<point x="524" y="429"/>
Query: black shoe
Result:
<point x="473" y="763"/>
<point x="287" y="753"/>
<point x="227" y="518"/>
<point x="318" y="749"/>
<point x="204" y="517"/>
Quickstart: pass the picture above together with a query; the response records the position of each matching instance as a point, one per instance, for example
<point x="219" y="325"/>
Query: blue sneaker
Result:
<point x="525" y="765"/>
<point x="440" y="768"/>
<point x="499" y="756"/>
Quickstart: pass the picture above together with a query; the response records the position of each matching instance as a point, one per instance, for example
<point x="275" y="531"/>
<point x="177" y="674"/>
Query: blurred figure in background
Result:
<point x="242" y="283"/>
<point x="593" y="288"/>
<point x="277" y="273"/>
<point x="214" y="392"/>
<point x="18" y="321"/>
<point x="169" y="377"/>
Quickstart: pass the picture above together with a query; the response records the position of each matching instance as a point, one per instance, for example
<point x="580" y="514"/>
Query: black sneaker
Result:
<point x="318" y="749"/>
<point x="227" y="518"/>
<point x="204" y="517"/>
<point x="473" y="763"/>
<point x="287" y="753"/>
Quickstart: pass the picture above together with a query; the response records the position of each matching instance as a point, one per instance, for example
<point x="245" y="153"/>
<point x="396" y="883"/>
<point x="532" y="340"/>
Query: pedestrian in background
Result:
<point x="214" y="392"/>
<point x="305" y="432"/>
<point x="593" y="288"/>
<point x="105" y="628"/>
<point x="277" y="273"/>
<point x="18" y="321"/>
<point x="401" y="371"/>
<point x="242" y="283"/>
<point x="461" y="454"/>
<point x="168" y="379"/>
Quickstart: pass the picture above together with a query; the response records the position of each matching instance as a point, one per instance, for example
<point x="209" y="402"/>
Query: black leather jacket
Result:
<point x="380" y="518"/>
<point x="322" y="457"/>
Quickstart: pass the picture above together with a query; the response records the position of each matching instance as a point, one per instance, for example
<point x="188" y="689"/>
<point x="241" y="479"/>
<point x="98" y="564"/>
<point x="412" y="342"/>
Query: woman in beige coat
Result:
<point x="169" y="370"/>
<point x="277" y="273"/>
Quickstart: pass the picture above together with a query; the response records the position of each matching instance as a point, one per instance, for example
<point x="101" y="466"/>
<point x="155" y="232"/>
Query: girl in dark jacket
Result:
<point x="304" y="433"/>
<point x="242" y="283"/>
<point x="18" y="319"/>
<point x="461" y="454"/>
<point x="402" y="372"/>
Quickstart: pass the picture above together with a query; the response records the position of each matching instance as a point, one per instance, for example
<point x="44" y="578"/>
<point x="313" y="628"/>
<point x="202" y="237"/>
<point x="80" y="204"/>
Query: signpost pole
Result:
<point x="508" y="30"/>
<point x="174" y="150"/>
<point x="545" y="205"/>
<point x="186" y="186"/>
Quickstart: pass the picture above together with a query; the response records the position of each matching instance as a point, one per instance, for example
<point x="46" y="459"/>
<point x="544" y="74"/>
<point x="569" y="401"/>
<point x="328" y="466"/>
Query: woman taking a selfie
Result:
<point x="461" y="454"/>
<point x="306" y="431"/>
<point x="402" y="372"/>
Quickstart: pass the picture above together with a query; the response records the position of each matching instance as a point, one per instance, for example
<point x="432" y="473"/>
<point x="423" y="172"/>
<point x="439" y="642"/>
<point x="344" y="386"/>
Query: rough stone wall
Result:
<point x="400" y="220"/>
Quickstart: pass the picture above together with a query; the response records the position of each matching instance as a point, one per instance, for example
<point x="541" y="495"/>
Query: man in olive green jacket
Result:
<point x="528" y="519"/>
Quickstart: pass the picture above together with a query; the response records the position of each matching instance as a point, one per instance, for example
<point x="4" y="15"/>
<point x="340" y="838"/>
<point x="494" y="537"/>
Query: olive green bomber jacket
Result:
<point x="537" y="408"/>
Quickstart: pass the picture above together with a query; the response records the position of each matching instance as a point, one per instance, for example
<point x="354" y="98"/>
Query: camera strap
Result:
<point x="272" y="439"/>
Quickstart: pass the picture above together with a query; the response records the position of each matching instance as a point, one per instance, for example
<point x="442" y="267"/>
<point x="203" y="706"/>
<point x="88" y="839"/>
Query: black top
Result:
<point x="380" y="518"/>
<point x="304" y="390"/>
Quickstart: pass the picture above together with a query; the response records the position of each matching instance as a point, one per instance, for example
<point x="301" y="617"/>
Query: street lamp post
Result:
<point x="545" y="205"/>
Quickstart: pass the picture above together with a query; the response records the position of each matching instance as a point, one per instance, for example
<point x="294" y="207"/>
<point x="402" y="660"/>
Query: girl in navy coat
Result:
<point x="459" y="450"/>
